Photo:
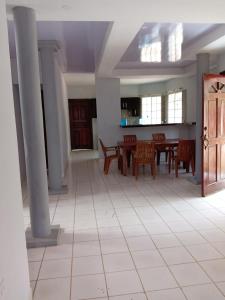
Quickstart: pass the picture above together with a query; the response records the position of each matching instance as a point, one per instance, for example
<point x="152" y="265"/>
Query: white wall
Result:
<point x="154" y="88"/>
<point x="108" y="109"/>
<point x="221" y="62"/>
<point x="89" y="91"/>
<point x="14" y="278"/>
<point x="81" y="91"/>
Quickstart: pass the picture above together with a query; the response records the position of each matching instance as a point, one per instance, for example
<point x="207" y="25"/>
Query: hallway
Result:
<point x="127" y="239"/>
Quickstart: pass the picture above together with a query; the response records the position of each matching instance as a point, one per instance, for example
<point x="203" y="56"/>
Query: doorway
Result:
<point x="81" y="112"/>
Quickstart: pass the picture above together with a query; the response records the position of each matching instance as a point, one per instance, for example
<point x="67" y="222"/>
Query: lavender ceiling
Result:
<point x="82" y="42"/>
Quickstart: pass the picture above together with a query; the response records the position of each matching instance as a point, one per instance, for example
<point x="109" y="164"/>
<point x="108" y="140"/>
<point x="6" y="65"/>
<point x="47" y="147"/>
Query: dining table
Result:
<point x="170" y="144"/>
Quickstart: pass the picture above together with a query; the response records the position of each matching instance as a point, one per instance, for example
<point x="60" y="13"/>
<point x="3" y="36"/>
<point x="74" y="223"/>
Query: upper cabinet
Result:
<point x="131" y="107"/>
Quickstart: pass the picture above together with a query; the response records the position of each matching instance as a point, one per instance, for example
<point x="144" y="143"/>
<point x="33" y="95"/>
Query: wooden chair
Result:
<point x="144" y="155"/>
<point x="114" y="154"/>
<point x="160" y="137"/>
<point x="129" y="138"/>
<point x="186" y="154"/>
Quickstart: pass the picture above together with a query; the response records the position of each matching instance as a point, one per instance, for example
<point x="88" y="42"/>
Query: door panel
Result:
<point x="222" y="162"/>
<point x="212" y="111"/>
<point x="81" y="123"/>
<point x="212" y="171"/>
<point x="213" y="134"/>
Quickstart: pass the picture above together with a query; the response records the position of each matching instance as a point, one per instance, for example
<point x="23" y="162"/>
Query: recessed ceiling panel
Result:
<point x="81" y="41"/>
<point x="158" y="36"/>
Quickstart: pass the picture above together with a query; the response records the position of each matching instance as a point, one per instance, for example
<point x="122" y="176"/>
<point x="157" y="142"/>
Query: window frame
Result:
<point x="183" y="111"/>
<point x="161" y="106"/>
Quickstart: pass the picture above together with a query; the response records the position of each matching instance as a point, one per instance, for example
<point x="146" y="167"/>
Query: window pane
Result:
<point x="175" y="107"/>
<point x="151" y="110"/>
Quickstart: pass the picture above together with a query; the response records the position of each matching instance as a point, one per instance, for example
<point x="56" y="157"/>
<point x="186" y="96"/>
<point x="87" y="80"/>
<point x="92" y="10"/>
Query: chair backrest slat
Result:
<point x="158" y="137"/>
<point x="145" y="151"/>
<point x="186" y="150"/>
<point x="129" y="138"/>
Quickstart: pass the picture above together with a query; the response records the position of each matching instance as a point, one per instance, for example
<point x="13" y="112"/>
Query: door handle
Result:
<point x="205" y="142"/>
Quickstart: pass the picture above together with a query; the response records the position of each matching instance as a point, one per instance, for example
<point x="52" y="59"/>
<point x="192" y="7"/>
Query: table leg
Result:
<point x="124" y="162"/>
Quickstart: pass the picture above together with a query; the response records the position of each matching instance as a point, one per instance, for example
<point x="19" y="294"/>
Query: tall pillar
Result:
<point x="202" y="67"/>
<point x="32" y="120"/>
<point x="51" y="107"/>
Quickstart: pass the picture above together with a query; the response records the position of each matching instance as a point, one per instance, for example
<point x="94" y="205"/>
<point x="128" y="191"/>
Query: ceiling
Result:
<point x="102" y="38"/>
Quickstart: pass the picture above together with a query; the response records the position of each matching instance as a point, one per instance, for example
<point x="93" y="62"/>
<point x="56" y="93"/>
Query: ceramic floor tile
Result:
<point x="117" y="262"/>
<point x="190" y="238"/>
<point x="58" y="252"/>
<point x="86" y="248"/>
<point x="135" y="230"/>
<point x="90" y="286"/>
<point x="87" y="265"/>
<point x="53" y="289"/>
<point x="165" y="240"/>
<point x="157" y="279"/>
<point x="189" y="274"/>
<point x="220" y="246"/>
<point x="214" y="235"/>
<point x="140" y="243"/>
<point x="215" y="269"/>
<point x="86" y="235"/>
<point x="126" y="282"/>
<point x="157" y="228"/>
<point x="149" y="215"/>
<point x="35" y="254"/>
<point x="138" y="296"/>
<point x="55" y="268"/>
<point x="147" y="259"/>
<point x="203" y="252"/>
<point x="176" y="255"/>
<point x="180" y="226"/>
<point x="206" y="292"/>
<point x="107" y="233"/>
<point x="113" y="246"/>
<point x="34" y="268"/>
<point x="172" y="294"/>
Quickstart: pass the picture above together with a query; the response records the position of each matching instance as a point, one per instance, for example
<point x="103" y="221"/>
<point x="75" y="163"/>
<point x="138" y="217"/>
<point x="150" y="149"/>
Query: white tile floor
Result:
<point x="131" y="240"/>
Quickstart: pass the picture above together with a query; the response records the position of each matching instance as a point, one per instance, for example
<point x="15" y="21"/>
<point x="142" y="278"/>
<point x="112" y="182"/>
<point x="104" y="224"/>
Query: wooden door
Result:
<point x="213" y="134"/>
<point x="80" y="112"/>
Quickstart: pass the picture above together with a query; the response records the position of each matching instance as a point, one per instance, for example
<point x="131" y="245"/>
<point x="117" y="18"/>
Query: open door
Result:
<point x="213" y="134"/>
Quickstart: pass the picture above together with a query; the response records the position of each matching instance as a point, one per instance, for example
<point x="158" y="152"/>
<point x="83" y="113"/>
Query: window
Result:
<point x="151" y="52"/>
<point x="175" y="108"/>
<point x="151" y="110"/>
<point x="175" y="43"/>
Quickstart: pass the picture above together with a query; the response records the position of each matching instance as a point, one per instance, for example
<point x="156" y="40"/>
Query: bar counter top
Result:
<point x="155" y="125"/>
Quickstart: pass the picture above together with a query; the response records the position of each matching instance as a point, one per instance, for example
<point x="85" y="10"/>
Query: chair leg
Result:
<point x="169" y="163"/>
<point x="108" y="161"/>
<point x="104" y="165"/>
<point x="176" y="167"/>
<point x="153" y="170"/>
<point x="166" y="156"/>
<point x="136" y="171"/>
<point x="187" y="166"/>
<point x="133" y="168"/>
<point x="158" y="158"/>
<point x="193" y="167"/>
<point x="128" y="158"/>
